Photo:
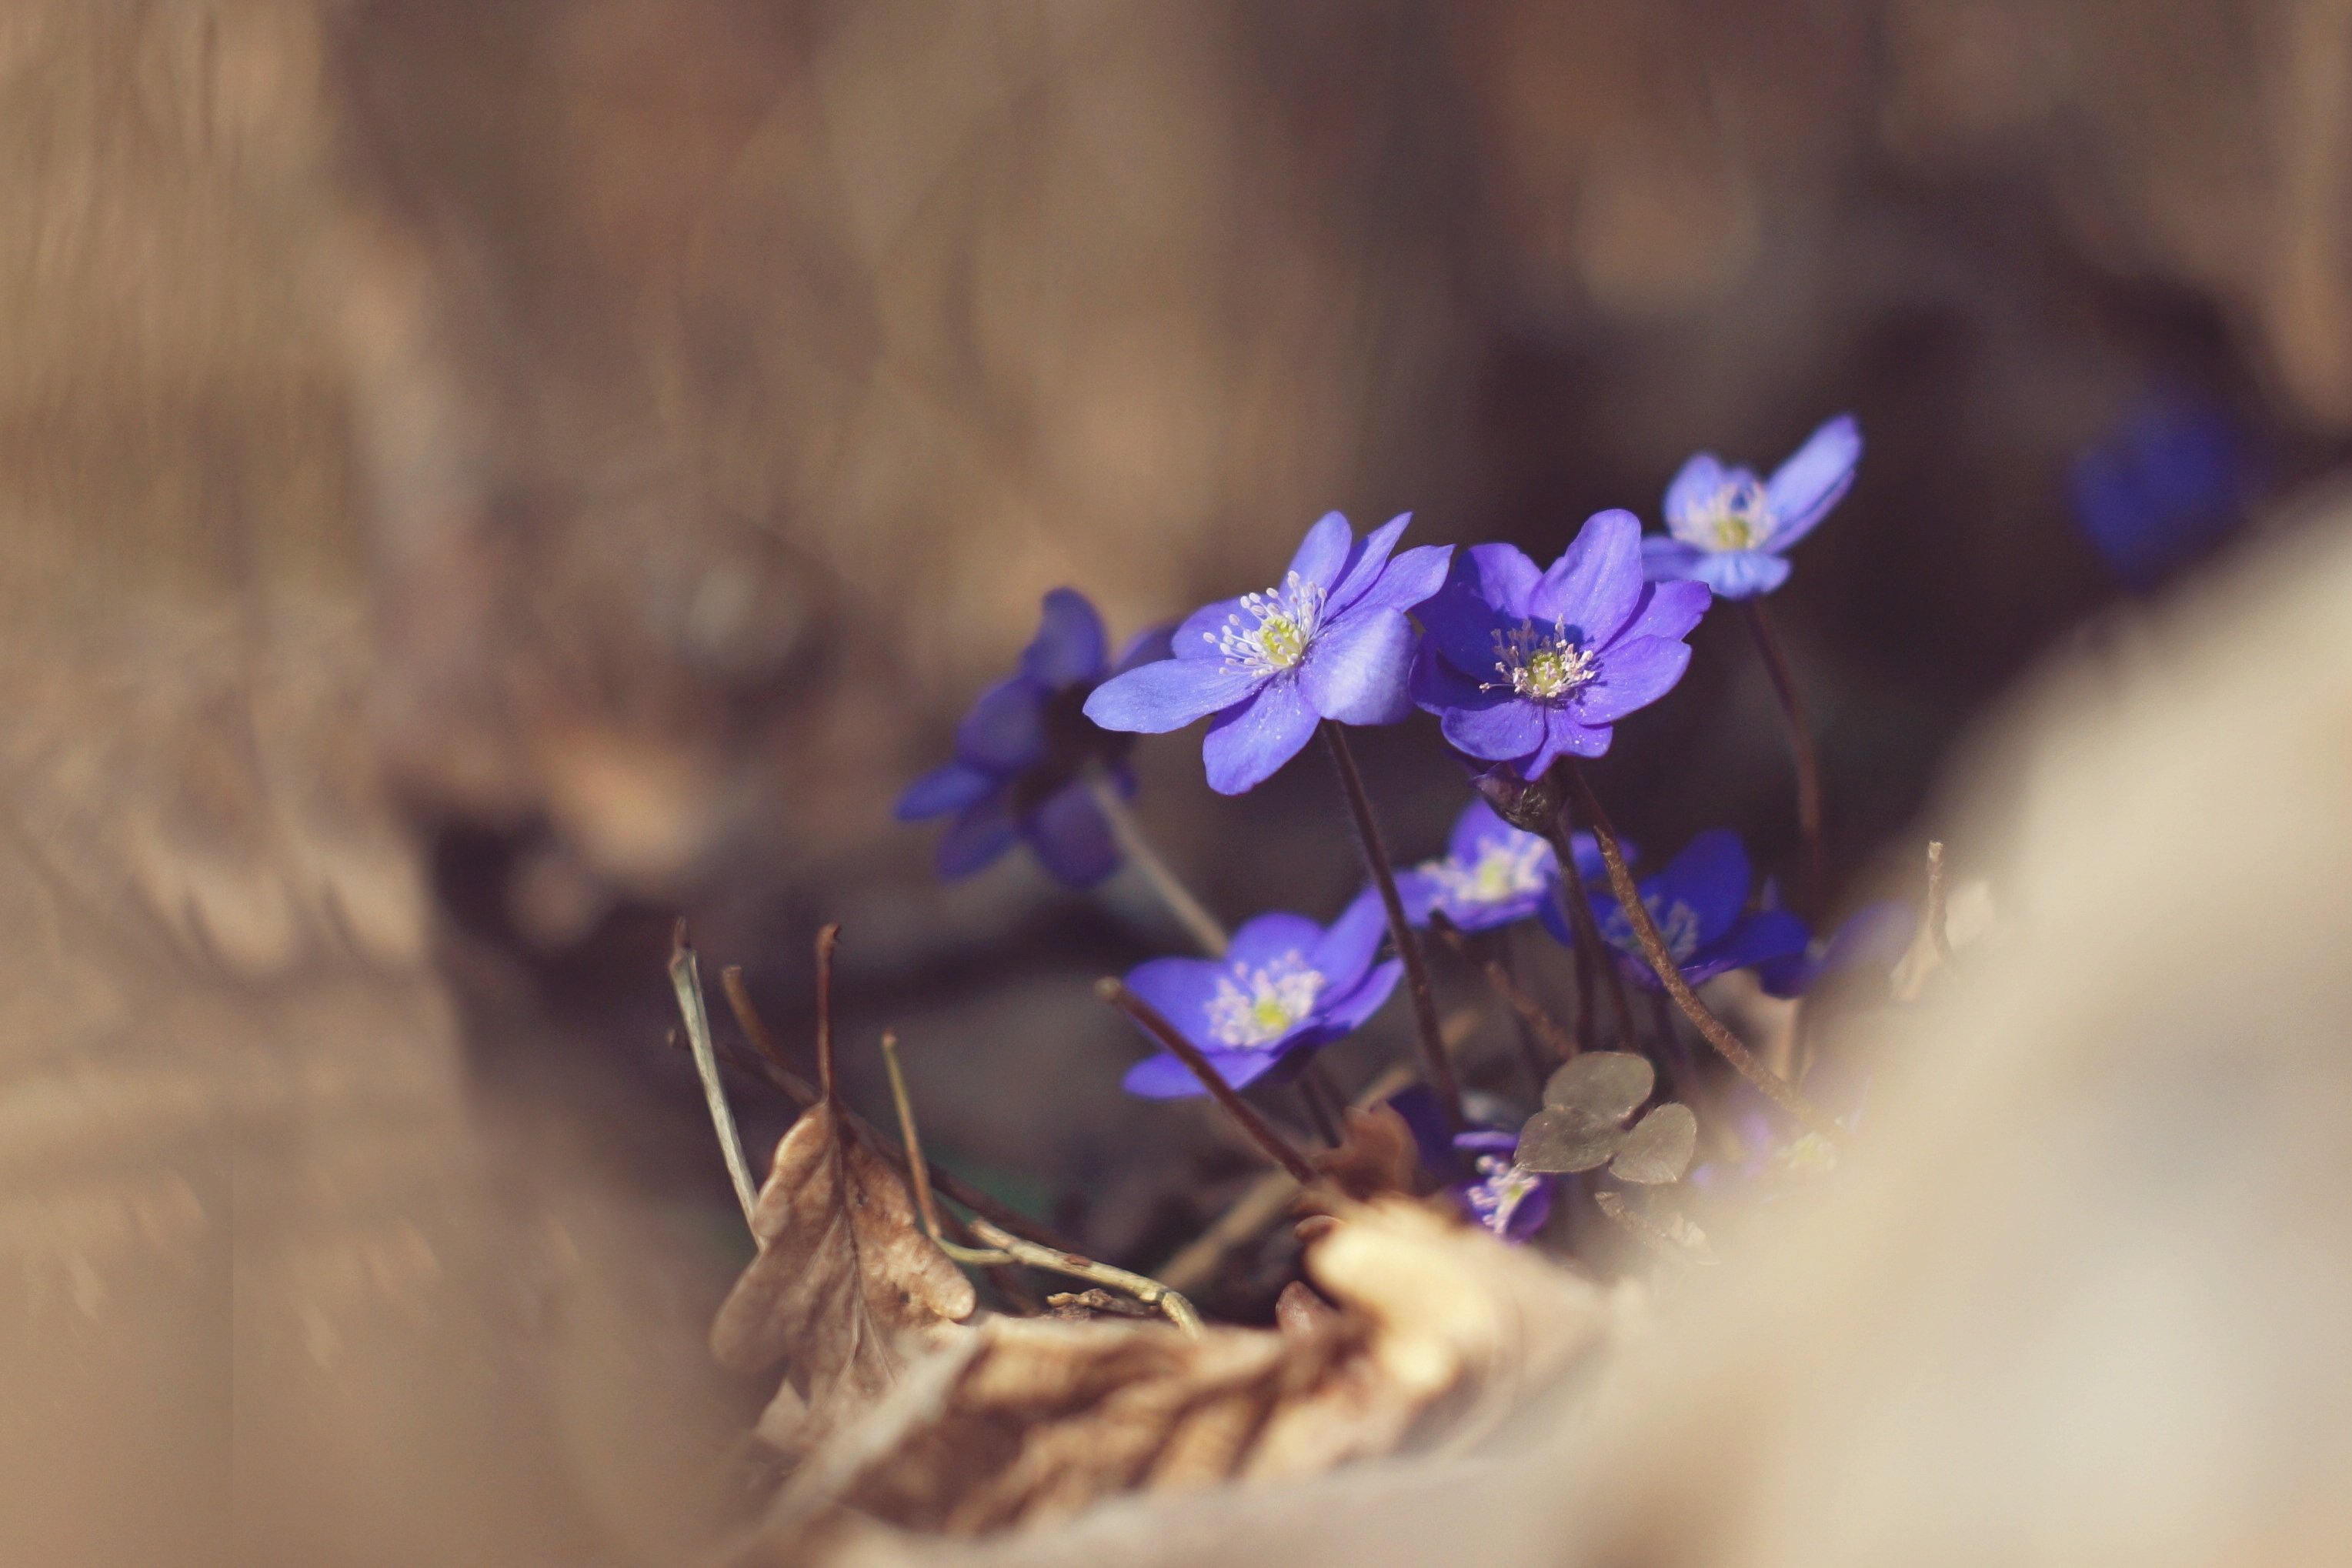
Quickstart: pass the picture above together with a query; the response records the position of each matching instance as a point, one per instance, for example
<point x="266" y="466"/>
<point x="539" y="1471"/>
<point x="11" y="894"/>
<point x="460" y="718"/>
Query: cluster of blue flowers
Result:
<point x="1521" y="665"/>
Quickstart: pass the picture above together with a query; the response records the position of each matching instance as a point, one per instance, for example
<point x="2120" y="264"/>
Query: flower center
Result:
<point x="1254" y="1008"/>
<point x="1503" y="1186"/>
<point x="1505" y="869"/>
<point x="1737" y="517"/>
<point x="1545" y="665"/>
<point x="1280" y="627"/>
<point x="1677" y="923"/>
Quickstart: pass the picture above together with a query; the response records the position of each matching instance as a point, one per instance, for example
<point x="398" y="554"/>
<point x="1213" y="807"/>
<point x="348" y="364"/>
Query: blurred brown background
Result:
<point x="477" y="481"/>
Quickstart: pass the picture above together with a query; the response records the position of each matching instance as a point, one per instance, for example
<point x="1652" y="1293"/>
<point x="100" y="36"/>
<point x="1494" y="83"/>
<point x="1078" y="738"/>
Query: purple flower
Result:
<point x="1727" y="529"/>
<point x="1024" y="750"/>
<point x="1874" y="936"/>
<point x="1331" y="642"/>
<point x="1479" y="1169"/>
<point x="1491" y="875"/>
<point x="1284" y="987"/>
<point x="2167" y="486"/>
<point x="1700" y="904"/>
<point x="1523" y="668"/>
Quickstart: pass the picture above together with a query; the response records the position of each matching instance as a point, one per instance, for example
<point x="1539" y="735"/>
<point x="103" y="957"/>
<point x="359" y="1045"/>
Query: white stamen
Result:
<point x="1544" y="666"/>
<point x="1255" y="1007"/>
<point x="1283" y="626"/>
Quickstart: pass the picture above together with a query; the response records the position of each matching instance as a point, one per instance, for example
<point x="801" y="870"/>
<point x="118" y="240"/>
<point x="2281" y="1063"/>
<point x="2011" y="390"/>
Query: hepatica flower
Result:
<point x="1332" y="640"/>
<point x="1023" y="752"/>
<point x="1700" y="904"/>
<point x="1284" y="987"/>
<point x="1479" y="1169"/>
<point x="1524" y="666"/>
<point x="1874" y="937"/>
<point x="2171" y="482"/>
<point x="1491" y="874"/>
<point x="1727" y="529"/>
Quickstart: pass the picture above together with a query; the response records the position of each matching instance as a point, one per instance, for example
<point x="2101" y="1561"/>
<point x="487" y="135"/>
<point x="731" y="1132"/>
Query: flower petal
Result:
<point x="1697" y="482"/>
<point x="1198" y="635"/>
<point x="1711" y="876"/>
<point x="1741" y="574"/>
<point x="1367" y="563"/>
<point x="1275" y="934"/>
<point x="1564" y="737"/>
<point x="1462" y="627"/>
<point x="1769" y="934"/>
<point x="1006" y="730"/>
<point x="1150" y="646"/>
<point x="1666" y="560"/>
<point x="942" y="790"/>
<point x="1593" y="586"/>
<point x="1412" y="578"/>
<point x="1346" y="950"/>
<point x="1667" y="610"/>
<point x="1322" y="556"/>
<point x="1503" y="576"/>
<point x="1634" y="675"/>
<point x="1072" y="838"/>
<point x="1475" y="829"/>
<point x="1247" y="743"/>
<point x="1153" y="699"/>
<point x="1180" y="988"/>
<point x="1070" y="645"/>
<point x="1418" y="891"/>
<point x="1503" y="733"/>
<point x="1164" y="1077"/>
<point x="1431" y="1136"/>
<point x="985" y="831"/>
<point x="1803" y="489"/>
<point x="1356" y="670"/>
<point x="1348" y="1012"/>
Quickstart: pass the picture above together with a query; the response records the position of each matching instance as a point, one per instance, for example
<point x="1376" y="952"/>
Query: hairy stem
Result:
<point x="1768" y="1083"/>
<point x="1592" y="954"/>
<point x="1259" y="1130"/>
<point x="1435" y="1062"/>
<point x="1800" y="745"/>
<point x="1190" y="912"/>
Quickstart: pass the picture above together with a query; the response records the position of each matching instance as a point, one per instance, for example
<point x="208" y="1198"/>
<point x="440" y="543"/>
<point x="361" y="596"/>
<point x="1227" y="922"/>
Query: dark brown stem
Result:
<point x="1768" y="1083"/>
<point x="1323" y="1102"/>
<point x="1531" y="1012"/>
<point x="1435" y="1062"/>
<point x="771" y="1065"/>
<point x="828" y="937"/>
<point x="1592" y="955"/>
<point x="1260" y="1131"/>
<point x="1801" y="746"/>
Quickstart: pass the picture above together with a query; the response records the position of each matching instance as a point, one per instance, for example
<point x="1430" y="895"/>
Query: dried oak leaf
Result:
<point x="1376" y="1154"/>
<point x="844" y="1277"/>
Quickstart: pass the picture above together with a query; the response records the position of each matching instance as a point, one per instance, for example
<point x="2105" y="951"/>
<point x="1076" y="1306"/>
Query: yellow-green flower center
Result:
<point x="1282" y="640"/>
<point x="1255" y="1008"/>
<point x="1271" y="631"/>
<point x="1545" y="665"/>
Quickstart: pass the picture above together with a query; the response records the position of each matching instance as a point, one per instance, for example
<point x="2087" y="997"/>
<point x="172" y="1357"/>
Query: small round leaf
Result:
<point x="1659" y="1148"/>
<point x="1603" y="1087"/>
<point x="1559" y="1142"/>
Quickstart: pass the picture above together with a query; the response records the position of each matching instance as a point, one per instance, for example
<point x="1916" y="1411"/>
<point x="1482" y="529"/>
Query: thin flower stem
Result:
<point x="1134" y="844"/>
<point x="1260" y="1131"/>
<point x="1435" y="1063"/>
<point x="771" y="1065"/>
<point x="685" y="980"/>
<point x="1592" y="954"/>
<point x="1768" y="1083"/>
<point x="1679" y="1060"/>
<point x="1531" y="1012"/>
<point x="1003" y="1246"/>
<point x="1800" y="745"/>
<point x="1323" y="1102"/>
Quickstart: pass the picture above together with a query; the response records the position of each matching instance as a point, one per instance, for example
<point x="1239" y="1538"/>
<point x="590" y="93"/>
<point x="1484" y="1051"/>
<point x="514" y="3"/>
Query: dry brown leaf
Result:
<point x="844" y="1277"/>
<point x="1375" y="1156"/>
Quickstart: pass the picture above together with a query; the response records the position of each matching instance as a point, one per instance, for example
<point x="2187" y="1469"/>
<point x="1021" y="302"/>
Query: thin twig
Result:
<point x="1433" y="1059"/>
<point x="1935" y="930"/>
<point x="1654" y="947"/>
<point x="1260" y="1131"/>
<point x="771" y="1065"/>
<point x="828" y="937"/>
<point x="1529" y="1010"/>
<point x="1800" y="745"/>
<point x="685" y="980"/>
<point x="1322" y="1102"/>
<point x="1190" y="912"/>
<point x="1003" y="1246"/>
<point x="1593" y="956"/>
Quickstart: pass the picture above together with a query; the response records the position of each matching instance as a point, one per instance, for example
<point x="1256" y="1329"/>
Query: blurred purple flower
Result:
<point x="1284" y="987"/>
<point x="1479" y="1168"/>
<point x="1523" y="668"/>
<point x="1332" y="641"/>
<point x="1700" y="904"/>
<point x="2167" y="485"/>
<point x="1874" y="937"/>
<point x="1491" y="874"/>
<point x="1023" y="752"/>
<point x="1727" y="529"/>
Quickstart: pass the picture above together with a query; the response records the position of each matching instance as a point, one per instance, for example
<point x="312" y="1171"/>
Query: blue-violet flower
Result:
<point x="1875" y="937"/>
<point x="1491" y="874"/>
<point x="1727" y="529"/>
<point x="1331" y="641"/>
<point x="2168" y="485"/>
<point x="1479" y="1168"/>
<point x="1700" y="904"/>
<point x="1022" y="752"/>
<point x="1284" y="987"/>
<point x="1523" y="667"/>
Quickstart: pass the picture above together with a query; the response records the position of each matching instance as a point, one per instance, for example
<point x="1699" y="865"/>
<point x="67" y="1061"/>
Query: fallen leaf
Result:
<point x="1375" y="1156"/>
